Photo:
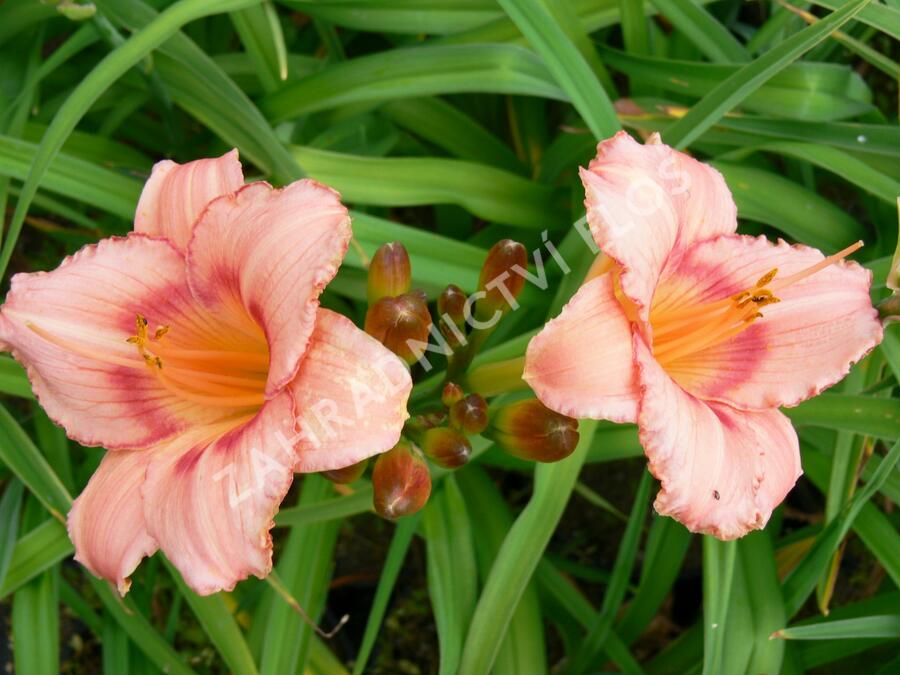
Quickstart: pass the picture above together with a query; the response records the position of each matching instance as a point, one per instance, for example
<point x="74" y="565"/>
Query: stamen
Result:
<point x="184" y="374"/>
<point x="821" y="265"/>
<point x="678" y="333"/>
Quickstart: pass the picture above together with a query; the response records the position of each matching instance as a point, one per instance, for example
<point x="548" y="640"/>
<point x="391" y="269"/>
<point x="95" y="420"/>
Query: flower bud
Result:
<point x="446" y="447"/>
<point x="347" y="474"/>
<point x="451" y="312"/>
<point x="529" y="430"/>
<point x="396" y="321"/>
<point x="470" y="414"/>
<point x="498" y="280"/>
<point x="401" y="481"/>
<point x="451" y="394"/>
<point x="389" y="272"/>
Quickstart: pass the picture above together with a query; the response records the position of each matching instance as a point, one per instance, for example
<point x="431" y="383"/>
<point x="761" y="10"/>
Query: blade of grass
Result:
<point x="10" y="510"/>
<point x="803" y="578"/>
<point x="260" y="31"/>
<point x="864" y="627"/>
<point x="37" y="551"/>
<point x="704" y="30"/>
<point x="219" y="625"/>
<point x="601" y="628"/>
<point x="523" y="649"/>
<point x="879" y="417"/>
<point x="718" y="573"/>
<point x="18" y="452"/>
<point x="451" y="570"/>
<point x="567" y="65"/>
<point x="390" y="571"/>
<point x="518" y="557"/>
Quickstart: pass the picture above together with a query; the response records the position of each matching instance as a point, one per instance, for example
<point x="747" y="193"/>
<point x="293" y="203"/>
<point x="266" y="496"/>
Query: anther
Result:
<point x="766" y="278"/>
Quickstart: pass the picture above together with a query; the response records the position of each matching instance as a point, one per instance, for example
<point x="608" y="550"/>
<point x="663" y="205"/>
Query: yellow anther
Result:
<point x="766" y="278"/>
<point x="162" y="330"/>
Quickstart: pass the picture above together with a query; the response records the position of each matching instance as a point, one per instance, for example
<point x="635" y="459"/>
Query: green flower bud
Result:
<point x="401" y="481"/>
<point x="451" y="394"/>
<point x="529" y="430"/>
<point x="451" y="312"/>
<point x="498" y="281"/>
<point x="446" y="447"/>
<point x="470" y="414"/>
<point x="389" y="272"/>
<point x="396" y="321"/>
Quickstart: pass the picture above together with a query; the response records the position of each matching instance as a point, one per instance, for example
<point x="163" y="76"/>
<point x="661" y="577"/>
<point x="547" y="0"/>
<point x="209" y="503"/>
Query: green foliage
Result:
<point x="448" y="125"/>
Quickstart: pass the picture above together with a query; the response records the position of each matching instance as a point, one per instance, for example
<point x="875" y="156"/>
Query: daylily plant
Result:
<point x="698" y="335"/>
<point x="194" y="349"/>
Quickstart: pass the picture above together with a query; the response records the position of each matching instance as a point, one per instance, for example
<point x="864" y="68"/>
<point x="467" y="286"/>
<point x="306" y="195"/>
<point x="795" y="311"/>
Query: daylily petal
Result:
<point x="69" y="329"/>
<point x="270" y="252"/>
<point x="722" y="470"/>
<point x="581" y="364"/>
<point x="176" y="194"/>
<point x="106" y="523"/>
<point x="646" y="203"/>
<point x="800" y="346"/>
<point x="210" y="499"/>
<point x="350" y="396"/>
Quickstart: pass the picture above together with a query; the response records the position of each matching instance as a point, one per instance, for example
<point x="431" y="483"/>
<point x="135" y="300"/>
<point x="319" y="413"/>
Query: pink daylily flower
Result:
<point x="698" y="335"/>
<point x="194" y="349"/>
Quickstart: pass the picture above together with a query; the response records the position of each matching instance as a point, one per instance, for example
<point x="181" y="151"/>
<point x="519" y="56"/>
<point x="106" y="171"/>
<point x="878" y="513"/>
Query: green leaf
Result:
<point x="702" y="28"/>
<point x="863" y="627"/>
<point x="140" y="630"/>
<point x="197" y="84"/>
<point x="37" y="551"/>
<point x="390" y="571"/>
<point x="802" y="214"/>
<point x="801" y="91"/>
<point x="567" y="65"/>
<point x="518" y="557"/>
<point x="393" y="16"/>
<point x="718" y="573"/>
<point x="878" y="417"/>
<point x="409" y="181"/>
<point x="413" y="72"/>
<point x="523" y="649"/>
<point x="13" y="380"/>
<point x="261" y="34"/>
<point x="735" y="89"/>
<point x="35" y="626"/>
<point x="803" y="578"/>
<point x="10" y="507"/>
<point x="601" y="628"/>
<point x="219" y="624"/>
<point x="451" y="570"/>
<point x="19" y="453"/>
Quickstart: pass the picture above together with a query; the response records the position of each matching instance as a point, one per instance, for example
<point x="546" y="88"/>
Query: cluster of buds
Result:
<point x="399" y="317"/>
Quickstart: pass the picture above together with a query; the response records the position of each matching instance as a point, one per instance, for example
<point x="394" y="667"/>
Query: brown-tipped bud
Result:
<point x="500" y="283"/>
<point x="451" y="394"/>
<point x="470" y="414"/>
<point x="398" y="322"/>
<point x="348" y="474"/>
<point x="389" y="272"/>
<point x="446" y="447"/>
<point x="452" y="314"/>
<point x="529" y="430"/>
<point x="401" y="481"/>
